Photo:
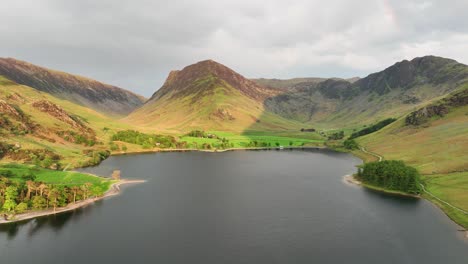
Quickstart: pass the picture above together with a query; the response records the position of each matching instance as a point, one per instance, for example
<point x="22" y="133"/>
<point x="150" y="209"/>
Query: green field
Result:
<point x="452" y="188"/>
<point x="437" y="149"/>
<point x="271" y="139"/>
<point x="54" y="177"/>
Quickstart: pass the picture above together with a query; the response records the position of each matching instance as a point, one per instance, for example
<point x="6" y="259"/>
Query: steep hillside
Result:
<point x="390" y="93"/>
<point x="209" y="96"/>
<point x="101" y="97"/>
<point x="40" y="128"/>
<point x="291" y="84"/>
<point x="285" y="84"/>
<point x="433" y="138"/>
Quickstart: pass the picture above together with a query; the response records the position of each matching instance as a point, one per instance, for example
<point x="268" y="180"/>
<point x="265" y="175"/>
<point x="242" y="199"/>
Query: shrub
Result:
<point x="350" y="144"/>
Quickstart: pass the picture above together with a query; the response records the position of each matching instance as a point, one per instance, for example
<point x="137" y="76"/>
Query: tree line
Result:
<point x="373" y="128"/>
<point x="392" y="175"/>
<point x="20" y="196"/>
<point x="145" y="140"/>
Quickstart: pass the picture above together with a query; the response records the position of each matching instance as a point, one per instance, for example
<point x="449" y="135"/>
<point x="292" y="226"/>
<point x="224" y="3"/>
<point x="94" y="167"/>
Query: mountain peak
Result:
<point x="418" y="71"/>
<point x="209" y="74"/>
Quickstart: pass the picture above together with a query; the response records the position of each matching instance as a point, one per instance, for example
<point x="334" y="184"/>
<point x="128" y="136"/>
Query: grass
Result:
<point x="434" y="148"/>
<point x="218" y="106"/>
<point x="70" y="153"/>
<point x="452" y="188"/>
<point x="242" y="141"/>
<point x="438" y="149"/>
<point x="385" y="190"/>
<point x="55" y="177"/>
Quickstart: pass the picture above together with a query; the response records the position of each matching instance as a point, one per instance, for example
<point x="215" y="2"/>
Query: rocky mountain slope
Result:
<point x="208" y="96"/>
<point x="392" y="92"/>
<point x="432" y="138"/>
<point x="101" y="97"/>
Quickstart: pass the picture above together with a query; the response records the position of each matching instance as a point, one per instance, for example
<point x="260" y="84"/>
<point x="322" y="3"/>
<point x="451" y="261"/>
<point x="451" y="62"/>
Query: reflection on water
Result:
<point x="239" y="207"/>
<point x="52" y="222"/>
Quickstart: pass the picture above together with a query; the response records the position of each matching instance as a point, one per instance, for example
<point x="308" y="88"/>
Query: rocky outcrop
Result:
<point x="419" y="71"/>
<point x="60" y="114"/>
<point x="424" y="114"/>
<point x="8" y="109"/>
<point x="440" y="108"/>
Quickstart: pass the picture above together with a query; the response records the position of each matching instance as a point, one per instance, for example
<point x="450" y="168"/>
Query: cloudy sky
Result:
<point x="134" y="44"/>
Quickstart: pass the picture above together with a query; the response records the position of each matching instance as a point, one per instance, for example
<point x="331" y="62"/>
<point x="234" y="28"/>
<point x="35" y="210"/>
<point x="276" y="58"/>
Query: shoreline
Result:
<point x="114" y="189"/>
<point x="351" y="179"/>
<point x="214" y="150"/>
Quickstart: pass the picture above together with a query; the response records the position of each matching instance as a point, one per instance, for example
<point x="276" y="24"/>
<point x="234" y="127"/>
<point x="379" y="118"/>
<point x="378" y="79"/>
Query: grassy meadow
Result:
<point x="438" y="149"/>
<point x="268" y="139"/>
<point x="66" y="178"/>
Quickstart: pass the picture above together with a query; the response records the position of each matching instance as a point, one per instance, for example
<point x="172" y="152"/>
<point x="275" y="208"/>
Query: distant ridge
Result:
<point x="389" y="93"/>
<point x="90" y="93"/>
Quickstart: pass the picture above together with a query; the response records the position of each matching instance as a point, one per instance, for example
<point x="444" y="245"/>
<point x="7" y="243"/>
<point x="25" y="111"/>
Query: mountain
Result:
<point x="286" y="84"/>
<point x="392" y="92"/>
<point x="209" y="96"/>
<point x="38" y="127"/>
<point x="431" y="138"/>
<point x="101" y="97"/>
<point x="289" y="84"/>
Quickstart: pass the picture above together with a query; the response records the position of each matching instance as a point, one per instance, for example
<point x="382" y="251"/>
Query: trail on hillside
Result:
<point x="423" y="187"/>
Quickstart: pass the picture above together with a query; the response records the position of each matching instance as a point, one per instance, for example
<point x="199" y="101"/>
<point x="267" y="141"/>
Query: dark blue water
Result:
<point x="239" y="207"/>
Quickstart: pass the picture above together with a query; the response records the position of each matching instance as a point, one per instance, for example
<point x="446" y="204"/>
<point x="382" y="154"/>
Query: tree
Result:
<point x="21" y="207"/>
<point x="392" y="175"/>
<point x="336" y="136"/>
<point x="42" y="188"/>
<point x="38" y="202"/>
<point x="53" y="196"/>
<point x="86" y="189"/>
<point x="350" y="144"/>
<point x="31" y="186"/>
<point x="75" y="190"/>
<point x="11" y="193"/>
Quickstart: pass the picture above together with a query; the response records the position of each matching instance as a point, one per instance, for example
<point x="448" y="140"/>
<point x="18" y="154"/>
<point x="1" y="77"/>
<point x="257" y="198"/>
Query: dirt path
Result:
<point x="371" y="153"/>
<point x="442" y="201"/>
<point x="422" y="186"/>
<point x="113" y="190"/>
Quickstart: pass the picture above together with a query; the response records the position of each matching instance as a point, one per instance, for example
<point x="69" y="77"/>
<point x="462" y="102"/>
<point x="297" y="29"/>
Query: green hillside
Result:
<point x="433" y="139"/>
<point x="209" y="96"/>
<point x="36" y="126"/>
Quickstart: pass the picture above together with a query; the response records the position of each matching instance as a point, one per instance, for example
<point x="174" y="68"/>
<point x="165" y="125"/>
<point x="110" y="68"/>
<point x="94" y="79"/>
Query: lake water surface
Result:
<point x="239" y="207"/>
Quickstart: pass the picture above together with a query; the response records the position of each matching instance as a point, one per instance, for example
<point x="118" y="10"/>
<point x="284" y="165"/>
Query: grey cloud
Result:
<point x="134" y="44"/>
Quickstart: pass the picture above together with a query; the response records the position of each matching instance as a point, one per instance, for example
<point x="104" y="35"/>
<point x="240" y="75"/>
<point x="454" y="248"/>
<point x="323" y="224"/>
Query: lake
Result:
<point x="239" y="207"/>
